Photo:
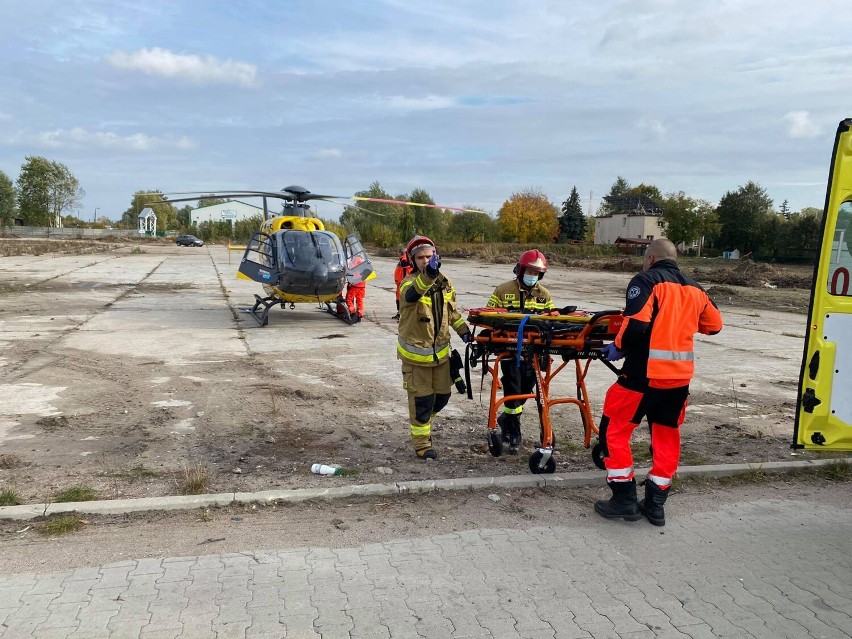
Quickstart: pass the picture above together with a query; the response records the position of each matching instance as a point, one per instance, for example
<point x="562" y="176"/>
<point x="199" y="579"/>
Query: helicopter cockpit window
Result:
<point x="840" y="264"/>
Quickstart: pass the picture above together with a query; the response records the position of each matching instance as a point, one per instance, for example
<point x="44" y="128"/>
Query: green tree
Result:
<point x="648" y="190"/>
<point x="472" y="226"/>
<point x="210" y="200"/>
<point x="619" y="188"/>
<point x="8" y="207"/>
<point x="743" y="215"/>
<point x="376" y="222"/>
<point x="167" y="214"/>
<point x="528" y="217"/>
<point x="184" y="218"/>
<point x="687" y="219"/>
<point x="572" y="222"/>
<point x="46" y="189"/>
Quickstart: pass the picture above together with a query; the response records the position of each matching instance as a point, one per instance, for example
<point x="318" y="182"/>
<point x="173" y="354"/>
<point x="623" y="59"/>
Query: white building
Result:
<point x="633" y="217"/>
<point x="232" y="211"/>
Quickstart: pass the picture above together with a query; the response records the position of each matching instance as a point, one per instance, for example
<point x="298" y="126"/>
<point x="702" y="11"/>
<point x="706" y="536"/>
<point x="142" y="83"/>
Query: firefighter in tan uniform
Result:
<point x="427" y="311"/>
<point x="526" y="295"/>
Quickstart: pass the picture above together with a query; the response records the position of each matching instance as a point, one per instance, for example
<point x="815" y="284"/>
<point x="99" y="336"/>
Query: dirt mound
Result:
<point x="10" y="247"/>
<point x="754" y="275"/>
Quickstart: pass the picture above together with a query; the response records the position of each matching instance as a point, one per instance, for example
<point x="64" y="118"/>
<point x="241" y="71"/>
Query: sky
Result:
<point x="472" y="101"/>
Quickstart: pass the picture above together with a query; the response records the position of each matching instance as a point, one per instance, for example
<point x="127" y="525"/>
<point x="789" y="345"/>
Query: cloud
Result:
<point x="78" y="138"/>
<point x="428" y="103"/>
<point x="656" y="128"/>
<point x="328" y="154"/>
<point x="801" y="125"/>
<point x="190" y="67"/>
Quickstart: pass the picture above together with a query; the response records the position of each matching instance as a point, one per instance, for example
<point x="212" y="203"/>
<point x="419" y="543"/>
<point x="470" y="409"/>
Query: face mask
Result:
<point x="530" y="280"/>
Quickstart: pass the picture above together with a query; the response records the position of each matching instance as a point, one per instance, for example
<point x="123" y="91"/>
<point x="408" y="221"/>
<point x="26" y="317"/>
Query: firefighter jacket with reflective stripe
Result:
<point x="512" y="296"/>
<point x="664" y="310"/>
<point x="427" y="311"/>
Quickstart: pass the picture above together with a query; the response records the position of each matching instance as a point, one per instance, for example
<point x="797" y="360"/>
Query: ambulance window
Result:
<point x="840" y="262"/>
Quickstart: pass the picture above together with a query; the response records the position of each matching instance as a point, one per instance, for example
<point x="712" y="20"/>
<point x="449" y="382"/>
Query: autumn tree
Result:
<point x="45" y="190"/>
<point x="572" y="222"/>
<point x="8" y="206"/>
<point x="528" y="217"/>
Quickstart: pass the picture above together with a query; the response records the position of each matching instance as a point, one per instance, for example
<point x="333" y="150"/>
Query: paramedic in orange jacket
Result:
<point x="664" y="310"/>
<point x="402" y="270"/>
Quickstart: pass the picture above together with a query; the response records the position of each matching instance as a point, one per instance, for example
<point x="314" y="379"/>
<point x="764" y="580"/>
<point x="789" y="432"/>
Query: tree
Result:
<point x="8" y="209"/>
<point x="46" y="189"/>
<point x="687" y="219"/>
<point x="184" y="218"/>
<point x="376" y="222"/>
<point x="619" y="188"/>
<point x="528" y="217"/>
<point x="472" y="226"/>
<point x="572" y="222"/>
<point x="742" y="215"/>
<point x="210" y="200"/>
<point x="648" y="190"/>
<point x="785" y="210"/>
<point x="167" y="214"/>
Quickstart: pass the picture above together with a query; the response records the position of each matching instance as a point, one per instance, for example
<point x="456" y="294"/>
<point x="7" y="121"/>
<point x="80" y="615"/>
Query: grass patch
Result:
<point x="194" y="479"/>
<point x="348" y="472"/>
<point x="61" y="525"/>
<point x="76" y="493"/>
<point x="691" y="458"/>
<point x="837" y="470"/>
<point x="9" y="497"/>
<point x="366" y="445"/>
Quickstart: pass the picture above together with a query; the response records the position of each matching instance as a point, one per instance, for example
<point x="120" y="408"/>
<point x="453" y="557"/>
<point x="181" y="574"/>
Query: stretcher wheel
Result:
<point x="597" y="456"/>
<point x="549" y="467"/>
<point x="495" y="442"/>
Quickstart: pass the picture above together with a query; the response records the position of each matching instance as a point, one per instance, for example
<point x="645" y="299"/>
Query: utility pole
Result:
<point x="95" y="214"/>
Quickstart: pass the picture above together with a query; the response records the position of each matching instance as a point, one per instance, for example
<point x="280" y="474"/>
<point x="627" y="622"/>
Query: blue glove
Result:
<point x="611" y="352"/>
<point x="433" y="265"/>
<point x="467" y="338"/>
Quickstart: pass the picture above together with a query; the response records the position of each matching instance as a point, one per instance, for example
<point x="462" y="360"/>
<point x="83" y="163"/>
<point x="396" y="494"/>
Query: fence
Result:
<point x="66" y="233"/>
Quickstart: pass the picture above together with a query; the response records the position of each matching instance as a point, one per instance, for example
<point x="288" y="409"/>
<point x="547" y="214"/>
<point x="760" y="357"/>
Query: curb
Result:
<point x="565" y="480"/>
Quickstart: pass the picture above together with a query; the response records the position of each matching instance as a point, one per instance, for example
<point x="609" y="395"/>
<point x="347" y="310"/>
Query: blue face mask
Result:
<point x="530" y="280"/>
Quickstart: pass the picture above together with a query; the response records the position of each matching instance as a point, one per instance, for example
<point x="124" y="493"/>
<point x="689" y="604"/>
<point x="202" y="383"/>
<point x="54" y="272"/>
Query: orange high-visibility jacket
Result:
<point x="403" y="268"/>
<point x="664" y="310"/>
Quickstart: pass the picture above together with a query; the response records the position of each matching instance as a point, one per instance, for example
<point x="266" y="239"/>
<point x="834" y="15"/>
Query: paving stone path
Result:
<point x="764" y="569"/>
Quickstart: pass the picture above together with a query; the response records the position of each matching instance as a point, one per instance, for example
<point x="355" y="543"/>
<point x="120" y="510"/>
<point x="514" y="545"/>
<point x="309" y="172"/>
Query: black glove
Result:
<point x="456" y="367"/>
<point x="434" y="266"/>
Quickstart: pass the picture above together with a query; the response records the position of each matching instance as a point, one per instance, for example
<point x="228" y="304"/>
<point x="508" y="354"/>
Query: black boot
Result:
<point x="510" y="431"/>
<point x="503" y="423"/>
<point x="623" y="504"/>
<point x="652" y="505"/>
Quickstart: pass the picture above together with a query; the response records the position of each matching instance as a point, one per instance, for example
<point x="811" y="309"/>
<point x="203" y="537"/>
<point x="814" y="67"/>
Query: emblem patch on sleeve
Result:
<point x="633" y="292"/>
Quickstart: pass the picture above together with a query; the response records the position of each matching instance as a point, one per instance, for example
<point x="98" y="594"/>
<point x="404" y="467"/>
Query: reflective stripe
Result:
<point x="662" y="482"/>
<point x="421" y="355"/>
<point x="420" y="285"/>
<point x="671" y="355"/>
<point x="404" y="285"/>
<point x="619" y="474"/>
<point x="513" y="411"/>
<point x="459" y="322"/>
<point x="421" y="431"/>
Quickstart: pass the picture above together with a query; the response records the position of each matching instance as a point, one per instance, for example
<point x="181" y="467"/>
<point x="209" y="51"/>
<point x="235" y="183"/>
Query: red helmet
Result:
<point x="417" y="243"/>
<point x="533" y="261"/>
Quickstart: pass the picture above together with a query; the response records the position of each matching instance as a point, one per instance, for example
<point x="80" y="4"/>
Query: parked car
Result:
<point x="188" y="240"/>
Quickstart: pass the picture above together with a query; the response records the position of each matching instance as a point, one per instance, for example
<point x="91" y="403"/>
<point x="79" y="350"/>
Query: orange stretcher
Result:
<point x="572" y="335"/>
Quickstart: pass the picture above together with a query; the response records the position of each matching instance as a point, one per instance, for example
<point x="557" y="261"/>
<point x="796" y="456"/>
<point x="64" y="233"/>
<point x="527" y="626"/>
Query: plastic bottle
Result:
<point x="322" y="469"/>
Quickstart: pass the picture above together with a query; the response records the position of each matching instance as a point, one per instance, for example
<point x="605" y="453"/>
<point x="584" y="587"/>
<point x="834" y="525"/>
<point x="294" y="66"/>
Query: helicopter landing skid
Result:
<point x="340" y="311"/>
<point x="267" y="303"/>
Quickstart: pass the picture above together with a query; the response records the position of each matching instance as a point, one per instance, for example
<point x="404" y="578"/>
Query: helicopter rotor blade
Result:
<point x="354" y="206"/>
<point x="405" y="203"/>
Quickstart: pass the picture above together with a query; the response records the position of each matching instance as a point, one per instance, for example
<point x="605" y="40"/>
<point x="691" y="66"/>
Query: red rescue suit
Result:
<point x="664" y="310"/>
<point x="355" y="298"/>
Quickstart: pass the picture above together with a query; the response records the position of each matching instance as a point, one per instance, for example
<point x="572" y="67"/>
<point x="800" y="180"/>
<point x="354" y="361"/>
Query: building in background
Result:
<point x="629" y="217"/>
<point x="231" y="211"/>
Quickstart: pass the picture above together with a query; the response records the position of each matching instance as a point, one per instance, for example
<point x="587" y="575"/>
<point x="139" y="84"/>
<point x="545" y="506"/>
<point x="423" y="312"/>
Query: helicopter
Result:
<point x="294" y="257"/>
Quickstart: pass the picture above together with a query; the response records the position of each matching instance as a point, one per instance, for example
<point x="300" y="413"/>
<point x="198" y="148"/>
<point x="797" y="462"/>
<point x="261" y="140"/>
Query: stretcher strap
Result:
<point x="520" y="340"/>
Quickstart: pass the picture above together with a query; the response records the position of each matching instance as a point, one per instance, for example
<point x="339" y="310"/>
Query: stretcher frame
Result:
<point x="575" y="336"/>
